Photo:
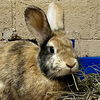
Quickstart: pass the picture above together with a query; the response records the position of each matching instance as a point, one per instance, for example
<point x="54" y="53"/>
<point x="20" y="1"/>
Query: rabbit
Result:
<point x="29" y="71"/>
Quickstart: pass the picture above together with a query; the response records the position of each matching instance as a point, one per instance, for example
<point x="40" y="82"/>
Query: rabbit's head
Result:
<point x="56" y="57"/>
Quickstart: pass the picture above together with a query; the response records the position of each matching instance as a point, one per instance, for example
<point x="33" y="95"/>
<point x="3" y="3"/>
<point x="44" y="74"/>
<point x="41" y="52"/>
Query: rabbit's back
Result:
<point x="15" y="60"/>
<point x="16" y="68"/>
<point x="17" y="54"/>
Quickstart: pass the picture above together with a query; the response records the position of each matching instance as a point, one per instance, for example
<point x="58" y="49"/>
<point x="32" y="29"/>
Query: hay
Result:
<point x="89" y="89"/>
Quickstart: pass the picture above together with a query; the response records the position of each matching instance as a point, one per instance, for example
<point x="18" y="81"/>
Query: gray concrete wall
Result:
<point x="82" y="21"/>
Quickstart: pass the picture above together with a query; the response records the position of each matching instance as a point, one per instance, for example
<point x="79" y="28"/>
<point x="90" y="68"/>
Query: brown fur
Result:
<point x="21" y="76"/>
<point x="37" y="19"/>
<point x="21" y="62"/>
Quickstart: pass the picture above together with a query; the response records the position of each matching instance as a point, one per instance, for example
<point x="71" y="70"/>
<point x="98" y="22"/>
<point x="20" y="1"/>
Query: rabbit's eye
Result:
<point x="51" y="49"/>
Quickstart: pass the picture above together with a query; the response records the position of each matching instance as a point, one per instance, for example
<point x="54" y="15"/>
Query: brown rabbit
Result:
<point x="29" y="71"/>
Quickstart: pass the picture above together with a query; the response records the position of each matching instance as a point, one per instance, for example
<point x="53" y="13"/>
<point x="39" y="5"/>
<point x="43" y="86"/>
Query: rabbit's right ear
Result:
<point x="55" y="16"/>
<point x="37" y="23"/>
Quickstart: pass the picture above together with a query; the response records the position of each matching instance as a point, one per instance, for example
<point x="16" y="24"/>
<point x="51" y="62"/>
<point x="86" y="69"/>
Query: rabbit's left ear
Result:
<point x="37" y="23"/>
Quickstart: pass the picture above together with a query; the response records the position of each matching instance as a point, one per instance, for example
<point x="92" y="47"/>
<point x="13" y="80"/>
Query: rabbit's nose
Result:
<point x="71" y="65"/>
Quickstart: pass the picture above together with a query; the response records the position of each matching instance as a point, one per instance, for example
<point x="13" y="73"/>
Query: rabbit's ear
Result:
<point x="37" y="23"/>
<point x="55" y="16"/>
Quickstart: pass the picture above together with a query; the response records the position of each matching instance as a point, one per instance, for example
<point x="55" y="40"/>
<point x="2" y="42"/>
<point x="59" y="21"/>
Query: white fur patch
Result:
<point x="50" y="44"/>
<point x="1" y="85"/>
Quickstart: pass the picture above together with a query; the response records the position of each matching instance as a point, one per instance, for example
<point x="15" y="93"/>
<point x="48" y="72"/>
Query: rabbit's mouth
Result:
<point x="71" y="71"/>
<point x="60" y="72"/>
<point x="66" y="70"/>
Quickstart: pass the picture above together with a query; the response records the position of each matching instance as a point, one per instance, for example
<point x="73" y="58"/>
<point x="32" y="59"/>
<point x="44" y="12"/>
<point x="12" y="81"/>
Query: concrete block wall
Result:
<point x="82" y="21"/>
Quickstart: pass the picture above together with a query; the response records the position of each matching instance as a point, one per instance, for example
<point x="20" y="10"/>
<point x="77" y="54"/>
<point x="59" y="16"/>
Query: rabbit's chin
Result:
<point x="62" y="72"/>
